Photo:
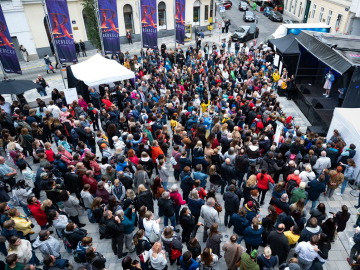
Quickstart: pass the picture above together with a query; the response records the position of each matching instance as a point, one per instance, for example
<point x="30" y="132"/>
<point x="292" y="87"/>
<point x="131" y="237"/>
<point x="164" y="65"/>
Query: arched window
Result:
<point x="85" y="18"/>
<point x="128" y="18"/>
<point x="162" y="15"/>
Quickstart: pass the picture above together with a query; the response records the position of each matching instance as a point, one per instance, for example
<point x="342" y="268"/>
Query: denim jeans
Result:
<point x="313" y="203"/>
<point x="93" y="149"/>
<point x="172" y="220"/>
<point x="34" y="260"/>
<point x="43" y="227"/>
<point x="241" y="237"/>
<point x="236" y="52"/>
<point x="343" y="186"/>
<point x="26" y="210"/>
<point x="74" y="142"/>
<point x="227" y="217"/>
<point x="177" y="212"/>
<point x="240" y="176"/>
<point x="165" y="185"/>
<point x="42" y="92"/>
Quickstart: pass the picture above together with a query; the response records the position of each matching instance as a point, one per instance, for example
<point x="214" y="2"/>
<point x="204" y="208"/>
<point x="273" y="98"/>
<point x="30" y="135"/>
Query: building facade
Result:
<point x="27" y="22"/>
<point x="353" y="27"/>
<point x="335" y="13"/>
<point x="295" y="9"/>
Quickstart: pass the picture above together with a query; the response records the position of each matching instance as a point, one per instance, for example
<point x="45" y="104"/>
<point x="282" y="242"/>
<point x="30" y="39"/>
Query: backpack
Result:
<point x="73" y="133"/>
<point x="202" y="266"/>
<point x="90" y="216"/>
<point x="103" y="231"/>
<point x="77" y="256"/>
<point x="253" y="125"/>
<point x="291" y="185"/>
<point x="308" y="146"/>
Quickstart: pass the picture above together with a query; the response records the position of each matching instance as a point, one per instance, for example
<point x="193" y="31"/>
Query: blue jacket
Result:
<point x="190" y="123"/>
<point x="202" y="177"/>
<point x="240" y="223"/>
<point x="191" y="265"/>
<point x="356" y="238"/>
<point x="250" y="214"/>
<point x="195" y="205"/>
<point x="253" y="237"/>
<point x="315" y="189"/>
<point x="121" y="166"/>
<point x="128" y="224"/>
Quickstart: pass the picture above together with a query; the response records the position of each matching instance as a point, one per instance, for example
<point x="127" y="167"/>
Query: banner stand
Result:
<point x="96" y="6"/>
<point x="52" y="39"/>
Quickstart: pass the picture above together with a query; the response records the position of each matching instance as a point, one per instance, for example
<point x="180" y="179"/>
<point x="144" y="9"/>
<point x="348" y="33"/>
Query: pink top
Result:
<point x="134" y="160"/>
<point x="177" y="198"/>
<point x="83" y="104"/>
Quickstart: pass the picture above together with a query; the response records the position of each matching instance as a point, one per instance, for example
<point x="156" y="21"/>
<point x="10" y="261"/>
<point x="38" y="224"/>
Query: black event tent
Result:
<point x="288" y="48"/>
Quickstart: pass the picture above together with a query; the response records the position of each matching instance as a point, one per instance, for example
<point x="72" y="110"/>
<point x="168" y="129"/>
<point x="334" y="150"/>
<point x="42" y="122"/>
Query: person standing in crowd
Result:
<point x="82" y="47"/>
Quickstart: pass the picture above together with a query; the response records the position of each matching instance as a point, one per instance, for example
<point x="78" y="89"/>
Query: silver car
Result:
<point x="249" y="16"/>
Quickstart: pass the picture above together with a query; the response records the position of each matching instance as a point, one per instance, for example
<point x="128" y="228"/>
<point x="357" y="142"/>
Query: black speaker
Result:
<point x="316" y="104"/>
<point x="317" y="129"/>
<point x="304" y="89"/>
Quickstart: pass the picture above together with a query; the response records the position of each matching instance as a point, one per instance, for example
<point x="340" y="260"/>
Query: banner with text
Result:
<point x="8" y="56"/>
<point x="180" y="21"/>
<point x="109" y="26"/>
<point x="61" y="29"/>
<point x="149" y="23"/>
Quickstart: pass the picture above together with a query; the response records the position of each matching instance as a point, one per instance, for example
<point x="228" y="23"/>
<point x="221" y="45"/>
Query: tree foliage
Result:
<point x="91" y="23"/>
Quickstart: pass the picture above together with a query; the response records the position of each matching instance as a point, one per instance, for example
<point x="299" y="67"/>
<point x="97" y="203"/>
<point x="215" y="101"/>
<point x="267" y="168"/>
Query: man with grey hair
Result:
<point x="210" y="216"/>
<point x="128" y="225"/>
<point x="115" y="229"/>
<point x="167" y="205"/>
<point x="322" y="163"/>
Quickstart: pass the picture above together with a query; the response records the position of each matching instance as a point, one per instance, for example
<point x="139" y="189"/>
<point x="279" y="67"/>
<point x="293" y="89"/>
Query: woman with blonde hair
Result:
<point x="144" y="197"/>
<point x="23" y="249"/>
<point x="130" y="199"/>
<point x="150" y="224"/>
<point x="248" y="186"/>
<point x="236" y="134"/>
<point x="157" y="257"/>
<point x="207" y="259"/>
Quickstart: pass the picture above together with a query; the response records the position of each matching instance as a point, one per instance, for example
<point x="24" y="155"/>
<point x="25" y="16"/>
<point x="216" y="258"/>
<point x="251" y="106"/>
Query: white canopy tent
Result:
<point x="346" y="121"/>
<point x="98" y="70"/>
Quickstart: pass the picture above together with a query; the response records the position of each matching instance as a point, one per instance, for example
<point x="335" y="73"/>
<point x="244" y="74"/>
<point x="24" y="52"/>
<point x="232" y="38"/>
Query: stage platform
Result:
<point x="311" y="99"/>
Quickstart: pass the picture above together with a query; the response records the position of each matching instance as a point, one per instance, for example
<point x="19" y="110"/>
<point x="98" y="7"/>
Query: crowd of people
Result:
<point x="212" y="118"/>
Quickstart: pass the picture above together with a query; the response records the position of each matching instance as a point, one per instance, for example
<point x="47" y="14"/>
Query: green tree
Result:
<point x="91" y="23"/>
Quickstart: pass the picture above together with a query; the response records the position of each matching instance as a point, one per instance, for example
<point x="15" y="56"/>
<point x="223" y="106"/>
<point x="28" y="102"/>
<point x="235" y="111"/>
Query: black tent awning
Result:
<point x="287" y="45"/>
<point x="311" y="42"/>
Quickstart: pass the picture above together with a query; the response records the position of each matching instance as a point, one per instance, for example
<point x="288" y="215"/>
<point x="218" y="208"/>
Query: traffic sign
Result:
<point x="222" y="9"/>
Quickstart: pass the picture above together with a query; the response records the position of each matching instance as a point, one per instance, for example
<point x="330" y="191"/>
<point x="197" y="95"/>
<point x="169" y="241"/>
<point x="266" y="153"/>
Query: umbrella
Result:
<point x="16" y="87"/>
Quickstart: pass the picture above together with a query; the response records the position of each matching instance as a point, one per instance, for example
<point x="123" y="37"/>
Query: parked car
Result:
<point x="267" y="11"/>
<point x="275" y="16"/>
<point x="226" y="5"/>
<point x="249" y="16"/>
<point x="243" y="6"/>
<point x="290" y="21"/>
<point x="245" y="33"/>
<point x="221" y="2"/>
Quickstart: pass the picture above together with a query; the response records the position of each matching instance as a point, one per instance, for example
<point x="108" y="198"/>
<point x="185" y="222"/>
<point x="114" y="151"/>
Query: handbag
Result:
<point x="218" y="207"/>
<point x="51" y="67"/>
<point x="238" y="262"/>
<point x="144" y="255"/>
<point x="175" y="253"/>
<point x="153" y="236"/>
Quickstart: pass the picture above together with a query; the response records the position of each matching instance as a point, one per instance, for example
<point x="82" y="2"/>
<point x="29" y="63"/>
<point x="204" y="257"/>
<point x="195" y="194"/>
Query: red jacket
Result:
<point x="202" y="193"/>
<point x="177" y="198"/>
<point x="264" y="182"/>
<point x="155" y="152"/>
<point x="39" y="214"/>
<point x="50" y="155"/>
<point x="92" y="182"/>
<point x="294" y="177"/>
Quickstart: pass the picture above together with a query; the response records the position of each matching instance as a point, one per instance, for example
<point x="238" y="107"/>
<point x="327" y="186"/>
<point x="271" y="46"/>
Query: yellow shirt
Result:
<point x="204" y="106"/>
<point x="276" y="77"/>
<point x="23" y="225"/>
<point x="127" y="65"/>
<point x="293" y="238"/>
<point x="173" y="124"/>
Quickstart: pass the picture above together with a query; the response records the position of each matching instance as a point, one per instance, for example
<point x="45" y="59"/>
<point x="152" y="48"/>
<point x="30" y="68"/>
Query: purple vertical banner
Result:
<point x="149" y="23"/>
<point x="8" y="56"/>
<point x="61" y="30"/>
<point x="109" y="25"/>
<point x="180" y="21"/>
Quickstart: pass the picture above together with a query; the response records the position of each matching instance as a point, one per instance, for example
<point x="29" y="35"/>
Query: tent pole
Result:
<point x="140" y="25"/>
<point x="297" y="67"/>
<point x="53" y="42"/>
<point x="99" y="26"/>
<point x="3" y="70"/>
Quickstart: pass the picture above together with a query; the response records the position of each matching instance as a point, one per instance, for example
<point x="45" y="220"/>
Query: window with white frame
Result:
<point x="328" y="19"/>
<point x="338" y="22"/>
<point x="313" y="11"/>
<point x="290" y="5"/>
<point x="295" y="7"/>
<point x="321" y="14"/>
<point x="300" y="9"/>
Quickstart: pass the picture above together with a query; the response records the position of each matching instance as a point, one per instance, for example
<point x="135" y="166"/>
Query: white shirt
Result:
<point x="55" y="111"/>
<point x="150" y="225"/>
<point x="306" y="251"/>
<point x="6" y="107"/>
